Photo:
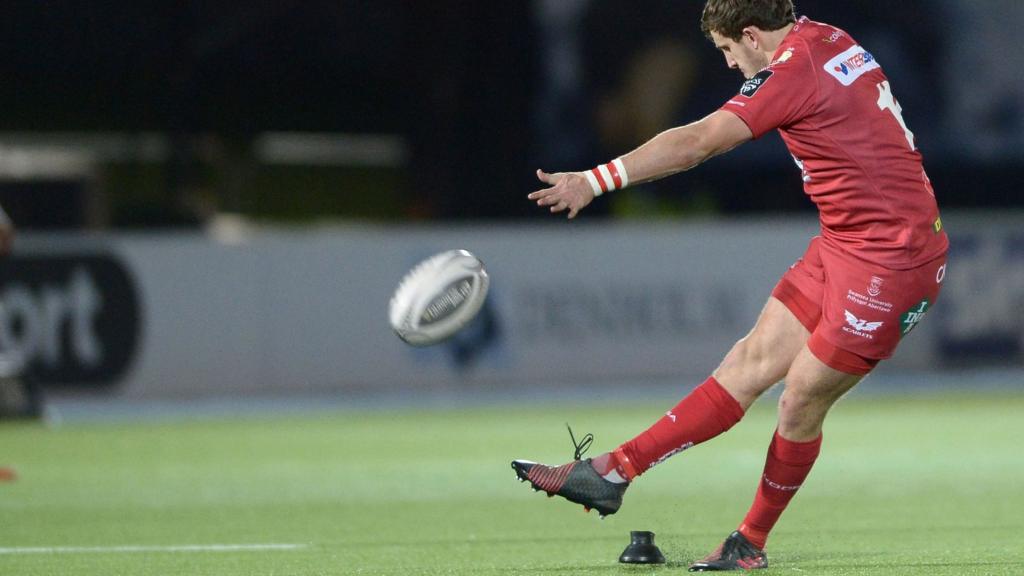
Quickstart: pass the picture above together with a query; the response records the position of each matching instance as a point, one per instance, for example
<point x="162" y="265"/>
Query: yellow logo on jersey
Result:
<point x="938" y="225"/>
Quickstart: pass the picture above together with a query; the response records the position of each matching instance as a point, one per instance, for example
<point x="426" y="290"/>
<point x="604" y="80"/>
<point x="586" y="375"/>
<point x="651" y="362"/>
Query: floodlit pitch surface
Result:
<point x="927" y="484"/>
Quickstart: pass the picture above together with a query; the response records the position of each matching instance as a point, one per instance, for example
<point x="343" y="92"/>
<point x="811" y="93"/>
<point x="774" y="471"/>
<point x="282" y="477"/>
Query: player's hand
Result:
<point x="569" y="191"/>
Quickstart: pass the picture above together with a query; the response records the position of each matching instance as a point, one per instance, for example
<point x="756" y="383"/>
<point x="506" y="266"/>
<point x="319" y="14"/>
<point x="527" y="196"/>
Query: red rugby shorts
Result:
<point x="856" y="312"/>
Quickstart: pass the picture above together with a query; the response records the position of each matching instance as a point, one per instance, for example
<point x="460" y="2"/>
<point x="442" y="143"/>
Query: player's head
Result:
<point x="735" y="26"/>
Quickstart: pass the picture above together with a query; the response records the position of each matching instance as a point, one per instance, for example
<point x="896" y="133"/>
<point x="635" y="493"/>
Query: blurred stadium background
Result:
<point x="214" y="201"/>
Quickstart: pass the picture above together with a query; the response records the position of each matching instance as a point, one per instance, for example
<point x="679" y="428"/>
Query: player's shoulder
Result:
<point x="828" y="49"/>
<point x="815" y="41"/>
<point x="803" y="45"/>
<point x="820" y="35"/>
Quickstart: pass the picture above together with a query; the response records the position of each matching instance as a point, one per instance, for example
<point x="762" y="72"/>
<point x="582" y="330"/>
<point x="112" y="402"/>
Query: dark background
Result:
<point x="479" y="93"/>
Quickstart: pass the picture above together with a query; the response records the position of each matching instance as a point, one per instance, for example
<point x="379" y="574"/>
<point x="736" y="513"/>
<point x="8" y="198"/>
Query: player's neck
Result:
<point x="770" y="41"/>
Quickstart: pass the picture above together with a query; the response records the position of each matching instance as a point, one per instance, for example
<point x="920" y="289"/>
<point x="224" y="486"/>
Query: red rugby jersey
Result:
<point x="835" y="109"/>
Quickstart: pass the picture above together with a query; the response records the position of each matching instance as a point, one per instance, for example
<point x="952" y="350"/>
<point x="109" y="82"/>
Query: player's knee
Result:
<point x="806" y="399"/>
<point x="794" y="402"/>
<point x="801" y="412"/>
<point x="803" y="389"/>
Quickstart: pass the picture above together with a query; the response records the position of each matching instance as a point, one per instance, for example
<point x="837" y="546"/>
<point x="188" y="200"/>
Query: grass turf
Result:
<point x="927" y="484"/>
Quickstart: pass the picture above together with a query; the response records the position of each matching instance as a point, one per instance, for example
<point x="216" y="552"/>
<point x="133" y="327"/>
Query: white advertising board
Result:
<point x="290" y="311"/>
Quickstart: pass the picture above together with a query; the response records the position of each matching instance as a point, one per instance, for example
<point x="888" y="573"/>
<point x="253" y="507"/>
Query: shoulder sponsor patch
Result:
<point x="750" y="87"/>
<point x="851" y="64"/>
<point x="784" y="57"/>
<point x="834" y="37"/>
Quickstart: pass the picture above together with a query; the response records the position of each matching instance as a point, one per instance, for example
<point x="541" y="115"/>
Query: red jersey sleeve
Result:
<point x="779" y="95"/>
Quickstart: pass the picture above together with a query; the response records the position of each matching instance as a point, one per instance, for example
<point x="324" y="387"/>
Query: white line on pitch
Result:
<point x="188" y="548"/>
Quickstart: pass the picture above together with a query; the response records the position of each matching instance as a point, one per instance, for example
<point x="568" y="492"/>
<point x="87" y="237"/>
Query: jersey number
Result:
<point x="886" y="101"/>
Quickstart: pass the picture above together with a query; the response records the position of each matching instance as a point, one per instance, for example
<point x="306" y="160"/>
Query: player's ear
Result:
<point x="752" y="36"/>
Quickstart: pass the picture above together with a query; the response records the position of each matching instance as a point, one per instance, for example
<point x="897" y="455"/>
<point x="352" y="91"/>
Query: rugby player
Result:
<point x="863" y="284"/>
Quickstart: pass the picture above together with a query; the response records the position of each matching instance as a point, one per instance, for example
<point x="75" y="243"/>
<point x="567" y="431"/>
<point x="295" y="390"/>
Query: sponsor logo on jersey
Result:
<point x="783" y="57"/>
<point x="910" y="318"/>
<point x="851" y="64"/>
<point x="859" y="327"/>
<point x="834" y="37"/>
<point x="750" y="87"/>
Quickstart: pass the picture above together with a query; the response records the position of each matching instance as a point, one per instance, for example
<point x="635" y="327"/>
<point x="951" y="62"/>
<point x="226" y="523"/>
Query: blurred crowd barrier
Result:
<point x="159" y="114"/>
<point x="276" y="311"/>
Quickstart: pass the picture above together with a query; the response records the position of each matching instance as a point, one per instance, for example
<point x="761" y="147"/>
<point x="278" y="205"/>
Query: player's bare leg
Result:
<point x="764" y="356"/>
<point x="812" y="388"/>
<point x="753" y="365"/>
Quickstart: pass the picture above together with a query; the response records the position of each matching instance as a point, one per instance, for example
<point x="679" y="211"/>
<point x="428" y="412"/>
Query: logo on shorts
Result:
<point x="875" y="287"/>
<point x="911" y="317"/>
<point x="859" y="327"/>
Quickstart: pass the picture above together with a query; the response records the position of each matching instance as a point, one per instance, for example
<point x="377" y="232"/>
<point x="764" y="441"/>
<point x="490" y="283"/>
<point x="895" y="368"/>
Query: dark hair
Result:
<point x="730" y="17"/>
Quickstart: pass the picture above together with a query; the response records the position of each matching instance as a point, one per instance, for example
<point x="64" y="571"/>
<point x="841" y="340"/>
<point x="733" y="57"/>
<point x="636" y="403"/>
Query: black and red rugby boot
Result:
<point x="736" y="553"/>
<point x="576" y="481"/>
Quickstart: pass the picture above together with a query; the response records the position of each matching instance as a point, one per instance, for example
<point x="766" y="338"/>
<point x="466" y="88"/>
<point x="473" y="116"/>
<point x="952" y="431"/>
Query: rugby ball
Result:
<point x="438" y="297"/>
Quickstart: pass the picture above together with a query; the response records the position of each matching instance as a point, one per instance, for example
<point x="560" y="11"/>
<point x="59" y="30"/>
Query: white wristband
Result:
<point x="608" y="177"/>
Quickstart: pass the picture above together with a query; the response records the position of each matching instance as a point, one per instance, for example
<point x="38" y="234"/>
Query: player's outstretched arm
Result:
<point x="682" y="148"/>
<point x="668" y="153"/>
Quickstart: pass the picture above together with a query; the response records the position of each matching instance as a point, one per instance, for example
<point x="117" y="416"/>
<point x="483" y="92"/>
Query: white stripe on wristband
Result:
<point x="607" y="177"/>
<point x="594" y="185"/>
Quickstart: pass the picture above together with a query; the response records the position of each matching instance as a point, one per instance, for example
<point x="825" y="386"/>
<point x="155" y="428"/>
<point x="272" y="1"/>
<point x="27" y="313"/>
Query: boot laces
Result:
<point x="581" y="447"/>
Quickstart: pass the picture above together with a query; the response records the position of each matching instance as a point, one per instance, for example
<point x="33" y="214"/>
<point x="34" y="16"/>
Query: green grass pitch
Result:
<point x="911" y="484"/>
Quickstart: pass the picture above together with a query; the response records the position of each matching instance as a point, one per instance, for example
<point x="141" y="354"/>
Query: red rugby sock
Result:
<point x="705" y="413"/>
<point x="785" y="469"/>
